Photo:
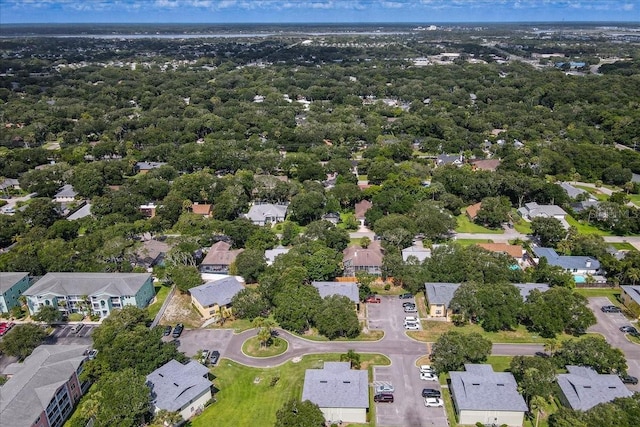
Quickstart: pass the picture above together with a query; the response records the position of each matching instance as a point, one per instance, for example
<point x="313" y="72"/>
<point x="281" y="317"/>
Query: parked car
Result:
<point x="385" y="388"/>
<point x="383" y="397"/>
<point x="542" y="354"/>
<point x="204" y="357"/>
<point x="92" y="354"/>
<point x="372" y="299"/>
<point x="431" y="392"/>
<point x="611" y="309"/>
<point x="433" y="402"/>
<point x="426" y="368"/>
<point x="213" y="358"/>
<point x="628" y="329"/>
<point x="628" y="379"/>
<point x="177" y="331"/>
<point x="411" y="309"/>
<point x="167" y="330"/>
<point x="405" y="296"/>
<point x="410" y="319"/>
<point x="77" y="327"/>
<point x="411" y="326"/>
<point x="407" y="304"/>
<point x="428" y="376"/>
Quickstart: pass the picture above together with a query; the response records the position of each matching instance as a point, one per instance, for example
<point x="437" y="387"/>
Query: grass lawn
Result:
<point x="466" y="226"/>
<point x="595" y="192"/>
<point x="377" y="287"/>
<point x="252" y="347"/>
<point x="521" y="225"/>
<point x="586" y="228"/>
<point x="469" y="242"/>
<point x="635" y="199"/>
<point x="161" y="295"/>
<point x="363" y="178"/>
<point x="612" y="293"/>
<point x="623" y="246"/>
<point x="434" y="328"/>
<point x="250" y="394"/>
<point x="500" y="363"/>
<point x="313" y="335"/>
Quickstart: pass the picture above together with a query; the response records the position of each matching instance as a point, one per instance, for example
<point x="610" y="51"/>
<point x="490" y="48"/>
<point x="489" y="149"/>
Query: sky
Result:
<point x="316" y="11"/>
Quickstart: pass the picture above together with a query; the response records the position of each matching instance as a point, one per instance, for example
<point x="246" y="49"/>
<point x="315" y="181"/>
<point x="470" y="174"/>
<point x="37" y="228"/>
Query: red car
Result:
<point x="373" y="299"/>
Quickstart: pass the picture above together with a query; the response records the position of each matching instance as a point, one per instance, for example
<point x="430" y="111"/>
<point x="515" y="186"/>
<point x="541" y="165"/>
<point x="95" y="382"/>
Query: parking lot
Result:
<point x="62" y="334"/>
<point x="408" y="408"/>
<point x="192" y="341"/>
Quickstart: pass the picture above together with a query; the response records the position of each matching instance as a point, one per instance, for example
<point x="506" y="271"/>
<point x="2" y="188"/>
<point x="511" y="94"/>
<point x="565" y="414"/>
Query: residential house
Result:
<point x="271" y="254"/>
<point x="180" y="388"/>
<point x="12" y="285"/>
<point x="361" y="209"/>
<point x="486" y="165"/>
<point x="213" y="297"/>
<point x="90" y="293"/>
<point x="203" y="209"/>
<point x="579" y="207"/>
<point x="9" y="184"/>
<point x="346" y="289"/>
<point x="144" y="167"/>
<point x="219" y="258"/>
<point x="578" y="266"/>
<point x="418" y="251"/>
<point x="439" y="295"/>
<point x="472" y="211"/>
<point x="332" y="217"/>
<point x="631" y="298"/>
<point x="148" y="210"/>
<point x="481" y="395"/>
<point x="341" y="392"/>
<point x="583" y="388"/>
<point x="449" y="159"/>
<point x="85" y="210"/>
<point x="66" y="194"/>
<point x="533" y="210"/>
<point x="356" y="258"/>
<point x="267" y="213"/>
<point x="151" y="253"/>
<point x="574" y="192"/>
<point x="43" y="390"/>
<point x="516" y="252"/>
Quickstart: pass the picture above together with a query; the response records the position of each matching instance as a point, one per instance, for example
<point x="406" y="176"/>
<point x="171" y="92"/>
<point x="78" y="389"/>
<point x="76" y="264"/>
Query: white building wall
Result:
<point x="509" y="418"/>
<point x="190" y="410"/>
<point x="346" y="415"/>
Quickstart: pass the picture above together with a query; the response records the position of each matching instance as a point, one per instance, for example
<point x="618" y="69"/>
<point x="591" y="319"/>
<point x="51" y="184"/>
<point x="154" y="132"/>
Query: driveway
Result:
<point x="193" y="340"/>
<point x="608" y="326"/>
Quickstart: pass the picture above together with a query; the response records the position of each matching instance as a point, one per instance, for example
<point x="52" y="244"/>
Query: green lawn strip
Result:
<point x="594" y="192"/>
<point x="612" y="293"/>
<point x="635" y="340"/>
<point x="469" y="242"/>
<point x="519" y="223"/>
<point x="252" y="396"/>
<point x="500" y="363"/>
<point x="161" y="296"/>
<point x="378" y="288"/>
<point x="314" y="335"/>
<point x="586" y="228"/>
<point x="466" y="226"/>
<point x="635" y="199"/>
<point x="253" y="347"/>
<point x="448" y="407"/>
<point x="623" y="246"/>
<point x="433" y="329"/>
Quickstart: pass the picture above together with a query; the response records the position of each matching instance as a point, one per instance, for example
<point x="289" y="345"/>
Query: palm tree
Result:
<point x="265" y="332"/>
<point x="352" y="357"/>
<point x="536" y="404"/>
<point x="551" y="346"/>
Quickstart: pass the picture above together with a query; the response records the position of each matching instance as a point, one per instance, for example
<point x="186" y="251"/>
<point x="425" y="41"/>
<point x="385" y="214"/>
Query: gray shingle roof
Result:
<point x="31" y="388"/>
<point x="567" y="262"/>
<point x="271" y="254"/>
<point x="173" y="385"/>
<point x="479" y="388"/>
<point x="526" y="288"/>
<point x="66" y="191"/>
<point x="149" y="165"/>
<point x="336" y="386"/>
<point x="440" y="293"/>
<point x="547" y="211"/>
<point x="632" y="291"/>
<point x="259" y="213"/>
<point x="347" y="289"/>
<point x="572" y="191"/>
<point x="115" y="284"/>
<point x="217" y="292"/>
<point x="584" y="388"/>
<point x="418" y="251"/>
<point x="80" y="213"/>
<point x="8" y="279"/>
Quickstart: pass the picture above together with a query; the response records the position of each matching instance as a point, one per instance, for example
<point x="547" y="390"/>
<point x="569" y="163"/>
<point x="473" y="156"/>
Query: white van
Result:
<point x="76" y="328"/>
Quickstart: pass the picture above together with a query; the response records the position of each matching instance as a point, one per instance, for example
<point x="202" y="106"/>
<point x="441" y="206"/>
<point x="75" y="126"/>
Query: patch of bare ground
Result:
<point x="180" y="310"/>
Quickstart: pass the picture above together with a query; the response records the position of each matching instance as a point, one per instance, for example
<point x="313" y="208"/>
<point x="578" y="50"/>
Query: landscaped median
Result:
<point x="252" y="396"/>
<point x="254" y="348"/>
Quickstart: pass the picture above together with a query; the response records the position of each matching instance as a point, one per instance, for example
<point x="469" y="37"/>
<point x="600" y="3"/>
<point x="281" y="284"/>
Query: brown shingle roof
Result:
<point x="201" y="209"/>
<point x="360" y="257"/>
<point x="514" y="251"/>
<point x="472" y="211"/>
<point x="486" y="165"/>
<point x="221" y="254"/>
<point x="362" y="208"/>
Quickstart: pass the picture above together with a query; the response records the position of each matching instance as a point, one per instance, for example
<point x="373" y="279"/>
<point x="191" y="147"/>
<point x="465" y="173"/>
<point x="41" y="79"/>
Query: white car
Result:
<point x="433" y="402"/>
<point x="385" y="388"/>
<point x="411" y="326"/>
<point x="410" y="319"/>
<point x="428" y="376"/>
<point x="426" y="369"/>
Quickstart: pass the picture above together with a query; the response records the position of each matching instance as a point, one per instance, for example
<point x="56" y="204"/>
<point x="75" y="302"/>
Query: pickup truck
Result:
<point x="373" y="299"/>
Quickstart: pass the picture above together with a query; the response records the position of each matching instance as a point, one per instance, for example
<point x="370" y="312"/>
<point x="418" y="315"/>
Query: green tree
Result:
<point x="535" y="376"/>
<point x="556" y="310"/>
<point x="549" y="230"/>
<point x="594" y="352"/>
<point x="307" y="207"/>
<point x="501" y="305"/>
<point x="22" y="340"/>
<point x="494" y="211"/>
<point x="453" y="349"/>
<point x="249" y="264"/>
<point x="265" y="330"/>
<point x="164" y="418"/>
<point x="352" y="357"/>
<point x="296" y="306"/>
<point x="126" y="399"/>
<point x="40" y="212"/>
<point x="465" y="301"/>
<point x="249" y="303"/>
<point x="337" y="318"/>
<point x="47" y="314"/>
<point x="184" y="276"/>
<point x="299" y="414"/>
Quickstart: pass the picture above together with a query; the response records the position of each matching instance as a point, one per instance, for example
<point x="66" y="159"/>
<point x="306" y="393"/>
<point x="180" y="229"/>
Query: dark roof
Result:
<point x="479" y="388"/>
<point x="567" y="262"/>
<point x="336" y="386"/>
